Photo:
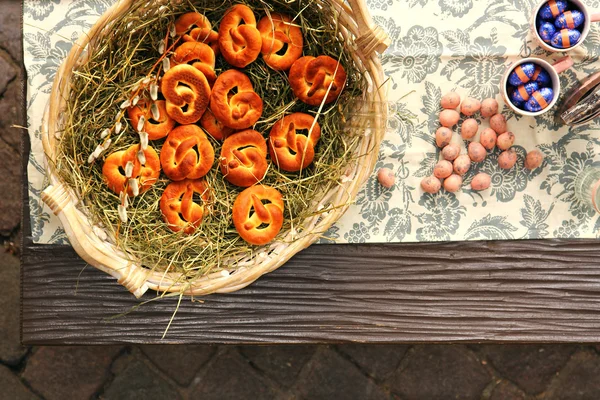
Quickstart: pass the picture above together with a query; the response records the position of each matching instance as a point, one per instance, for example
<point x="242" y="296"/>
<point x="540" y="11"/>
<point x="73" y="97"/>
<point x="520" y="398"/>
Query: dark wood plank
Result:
<point x="503" y="291"/>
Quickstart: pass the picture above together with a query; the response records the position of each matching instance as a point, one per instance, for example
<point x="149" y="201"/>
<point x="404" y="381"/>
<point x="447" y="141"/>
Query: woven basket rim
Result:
<point x="91" y="243"/>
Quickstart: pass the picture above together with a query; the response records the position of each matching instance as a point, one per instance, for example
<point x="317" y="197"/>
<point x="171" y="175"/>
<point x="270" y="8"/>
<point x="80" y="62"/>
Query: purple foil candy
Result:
<point x="539" y="100"/>
<point x="547" y="31"/>
<point x="552" y="9"/>
<point x="569" y="20"/>
<point x="541" y="77"/>
<point x="565" y="38"/>
<point x="521" y="94"/>
<point x="521" y="74"/>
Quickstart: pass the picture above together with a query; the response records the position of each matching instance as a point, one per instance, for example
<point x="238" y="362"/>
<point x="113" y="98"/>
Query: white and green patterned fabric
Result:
<point x="437" y="46"/>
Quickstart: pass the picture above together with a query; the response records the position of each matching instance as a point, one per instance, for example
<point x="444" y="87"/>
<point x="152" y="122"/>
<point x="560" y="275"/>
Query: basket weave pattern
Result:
<point x="92" y="243"/>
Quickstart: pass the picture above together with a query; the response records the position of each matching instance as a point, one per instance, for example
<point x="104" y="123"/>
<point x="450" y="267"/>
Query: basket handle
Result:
<point x="372" y="37"/>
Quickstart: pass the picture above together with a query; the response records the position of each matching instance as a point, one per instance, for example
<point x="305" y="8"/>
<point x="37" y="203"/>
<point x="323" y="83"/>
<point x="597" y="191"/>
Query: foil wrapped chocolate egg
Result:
<point x="565" y="38"/>
<point x="539" y="100"/>
<point x="552" y="9"/>
<point x="541" y="77"/>
<point x="522" y="93"/>
<point x="569" y="20"/>
<point x="547" y="31"/>
<point x="517" y="103"/>
<point x="521" y="74"/>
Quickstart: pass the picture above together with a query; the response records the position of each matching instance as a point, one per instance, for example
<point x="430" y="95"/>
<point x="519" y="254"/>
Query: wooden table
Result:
<point x="517" y="291"/>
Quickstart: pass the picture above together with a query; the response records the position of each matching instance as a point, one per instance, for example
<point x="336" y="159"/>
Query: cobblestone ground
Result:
<point x="252" y="372"/>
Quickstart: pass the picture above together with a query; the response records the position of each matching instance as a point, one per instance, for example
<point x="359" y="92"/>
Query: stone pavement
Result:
<point x="429" y="372"/>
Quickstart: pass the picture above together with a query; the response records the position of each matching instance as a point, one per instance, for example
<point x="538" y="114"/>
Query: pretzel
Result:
<point x="310" y="78"/>
<point x="244" y="158"/>
<point x="213" y="126"/>
<point x="290" y="150"/>
<point x="250" y="213"/>
<point x="195" y="27"/>
<point x="239" y="40"/>
<point x="178" y="208"/>
<point x="186" y="92"/>
<point x="199" y="56"/>
<point x="187" y="153"/>
<point x="240" y="110"/>
<point x="156" y="129"/>
<point x="116" y="163"/>
<point x="280" y="34"/>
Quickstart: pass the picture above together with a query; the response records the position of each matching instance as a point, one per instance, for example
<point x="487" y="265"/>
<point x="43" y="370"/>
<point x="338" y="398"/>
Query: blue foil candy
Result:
<point x="519" y="104"/>
<point x="552" y="9"/>
<point x="569" y="20"/>
<point x="522" y="93"/>
<point x="547" y="31"/>
<point x="521" y="74"/>
<point x="539" y="100"/>
<point x="541" y="77"/>
<point x="565" y="38"/>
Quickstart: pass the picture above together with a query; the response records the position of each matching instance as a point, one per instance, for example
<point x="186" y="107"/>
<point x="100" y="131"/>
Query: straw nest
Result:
<point x="120" y="61"/>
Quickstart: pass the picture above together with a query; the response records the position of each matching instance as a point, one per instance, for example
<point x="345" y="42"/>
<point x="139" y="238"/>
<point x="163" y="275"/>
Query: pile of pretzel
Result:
<point x="196" y="101"/>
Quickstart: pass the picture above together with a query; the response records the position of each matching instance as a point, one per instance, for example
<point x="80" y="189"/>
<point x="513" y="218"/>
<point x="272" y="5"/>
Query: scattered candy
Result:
<point x="462" y="164"/>
<point x="451" y="151"/>
<point x="522" y="92"/>
<point x="453" y="183"/>
<point x="507" y="159"/>
<point x="449" y="118"/>
<point x="443" y="136"/>
<point x="547" y="31"/>
<point x="488" y="138"/>
<point x="470" y="106"/>
<point x="565" y="38"/>
<point x="442" y="169"/>
<point x="450" y="101"/>
<point x="481" y="181"/>
<point x="489" y="107"/>
<point x="505" y="140"/>
<point x="469" y="128"/>
<point x="534" y="159"/>
<point x="552" y="9"/>
<point x="431" y="184"/>
<point x="539" y="100"/>
<point x="521" y="74"/>
<point x="386" y="177"/>
<point x="498" y="123"/>
<point x="476" y="152"/>
<point x="569" y="20"/>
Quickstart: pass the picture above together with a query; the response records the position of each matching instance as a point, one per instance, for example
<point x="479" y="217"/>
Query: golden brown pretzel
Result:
<point x="250" y="213"/>
<point x="195" y="27"/>
<point x="244" y="158"/>
<point x="240" y="110"/>
<point x="199" y="56"/>
<point x="115" y="165"/>
<point x="310" y="78"/>
<point x="178" y="207"/>
<point x="277" y="32"/>
<point x="214" y="127"/>
<point x="185" y="87"/>
<point x="290" y="150"/>
<point x="239" y="40"/>
<point x="156" y="129"/>
<point x="187" y="153"/>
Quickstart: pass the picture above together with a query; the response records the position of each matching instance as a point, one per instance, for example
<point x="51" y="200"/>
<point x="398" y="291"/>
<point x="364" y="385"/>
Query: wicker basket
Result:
<point x="92" y="243"/>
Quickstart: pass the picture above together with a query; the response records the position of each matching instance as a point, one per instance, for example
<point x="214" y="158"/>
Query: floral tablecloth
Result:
<point x="437" y="46"/>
